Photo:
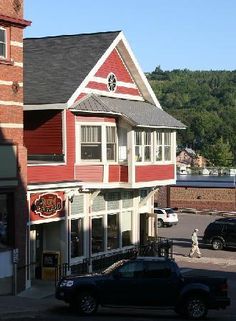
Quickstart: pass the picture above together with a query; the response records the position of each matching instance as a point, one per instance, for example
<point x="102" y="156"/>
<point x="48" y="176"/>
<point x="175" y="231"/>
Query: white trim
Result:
<point x="119" y="83"/>
<point x="45" y="106"/>
<point x="16" y="44"/>
<point x="140" y="72"/>
<point x="18" y="64"/>
<point x="9" y="83"/>
<point x="112" y="94"/>
<point x="46" y="220"/>
<point x="64" y="135"/>
<point x="55" y="186"/>
<point x="10" y="103"/>
<point x="11" y="125"/>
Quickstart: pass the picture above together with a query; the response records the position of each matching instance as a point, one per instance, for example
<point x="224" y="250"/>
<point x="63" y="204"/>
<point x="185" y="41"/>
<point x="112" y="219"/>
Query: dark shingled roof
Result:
<point x="138" y="113"/>
<point x="55" y="66"/>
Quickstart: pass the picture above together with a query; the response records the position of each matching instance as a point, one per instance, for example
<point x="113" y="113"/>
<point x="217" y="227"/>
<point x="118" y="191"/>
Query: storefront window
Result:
<point x="77" y="237"/>
<point x="126" y="228"/>
<point x="97" y="235"/>
<point x="5" y="208"/>
<point x="112" y="231"/>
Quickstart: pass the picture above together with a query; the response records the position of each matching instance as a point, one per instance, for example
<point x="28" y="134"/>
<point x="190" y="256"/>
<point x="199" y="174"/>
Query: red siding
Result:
<point x="57" y="173"/>
<point x="154" y="173"/>
<point x="118" y="173"/>
<point x="43" y="131"/>
<point x="89" y="173"/>
<point x="114" y="64"/>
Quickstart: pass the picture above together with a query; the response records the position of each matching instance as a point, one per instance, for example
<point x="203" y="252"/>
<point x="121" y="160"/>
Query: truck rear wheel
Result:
<point x="195" y="308"/>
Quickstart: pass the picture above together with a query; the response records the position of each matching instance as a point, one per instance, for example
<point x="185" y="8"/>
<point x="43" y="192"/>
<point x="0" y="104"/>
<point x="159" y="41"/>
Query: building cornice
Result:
<point x="14" y="21"/>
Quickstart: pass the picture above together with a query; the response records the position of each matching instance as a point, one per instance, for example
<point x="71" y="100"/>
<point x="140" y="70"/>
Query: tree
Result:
<point x="219" y="154"/>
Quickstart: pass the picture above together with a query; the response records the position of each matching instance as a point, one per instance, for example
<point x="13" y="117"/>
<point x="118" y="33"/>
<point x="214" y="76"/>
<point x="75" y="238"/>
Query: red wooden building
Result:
<point x="13" y="157"/>
<point x="99" y="146"/>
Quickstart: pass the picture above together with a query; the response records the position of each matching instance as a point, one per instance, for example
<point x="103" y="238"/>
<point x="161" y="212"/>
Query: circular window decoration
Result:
<point x="111" y="82"/>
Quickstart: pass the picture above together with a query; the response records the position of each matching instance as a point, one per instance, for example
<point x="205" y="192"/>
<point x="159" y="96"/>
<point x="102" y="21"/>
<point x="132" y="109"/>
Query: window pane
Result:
<point x="147" y="138"/>
<point x="2" y="50"/>
<point x="2" y="36"/>
<point x="167" y="153"/>
<point x="138" y="138"/>
<point x="147" y="153"/>
<point x="3" y="221"/>
<point x="132" y="270"/>
<point x="91" y="152"/>
<point x="138" y="153"/>
<point x="112" y="231"/>
<point x="158" y="153"/>
<point x="91" y="134"/>
<point x="97" y="235"/>
<point x="77" y="237"/>
<point x="167" y="138"/>
<point x="126" y="228"/>
<point x="159" y="138"/>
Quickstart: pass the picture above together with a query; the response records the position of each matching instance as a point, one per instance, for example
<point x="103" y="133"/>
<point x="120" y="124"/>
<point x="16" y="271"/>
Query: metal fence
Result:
<point x="161" y="247"/>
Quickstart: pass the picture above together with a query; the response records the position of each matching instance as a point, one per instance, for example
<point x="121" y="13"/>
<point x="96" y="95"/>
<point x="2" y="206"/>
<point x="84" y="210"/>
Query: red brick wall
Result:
<point x="11" y="123"/>
<point x="200" y="198"/>
<point x="221" y="199"/>
<point x="10" y="8"/>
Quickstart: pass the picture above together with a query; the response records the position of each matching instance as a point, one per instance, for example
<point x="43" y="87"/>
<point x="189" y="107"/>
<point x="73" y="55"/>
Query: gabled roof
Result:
<point x="58" y="69"/>
<point x="55" y="66"/>
<point x="137" y="113"/>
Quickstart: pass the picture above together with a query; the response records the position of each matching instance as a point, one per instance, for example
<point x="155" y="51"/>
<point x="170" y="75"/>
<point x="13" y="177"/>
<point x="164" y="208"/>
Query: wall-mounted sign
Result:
<point x="47" y="205"/>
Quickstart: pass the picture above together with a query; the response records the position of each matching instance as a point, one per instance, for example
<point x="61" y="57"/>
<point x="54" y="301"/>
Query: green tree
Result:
<point x="219" y="154"/>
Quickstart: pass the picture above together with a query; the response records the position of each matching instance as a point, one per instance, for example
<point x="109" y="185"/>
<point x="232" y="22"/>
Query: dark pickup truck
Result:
<point x="145" y="282"/>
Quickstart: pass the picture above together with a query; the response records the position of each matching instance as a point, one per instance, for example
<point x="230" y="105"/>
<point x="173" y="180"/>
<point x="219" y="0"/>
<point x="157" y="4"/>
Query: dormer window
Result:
<point x="111" y="82"/>
<point x="3" y="49"/>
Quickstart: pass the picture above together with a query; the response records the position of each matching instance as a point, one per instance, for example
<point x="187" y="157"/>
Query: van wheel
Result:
<point x="195" y="308"/>
<point x="87" y="303"/>
<point x="160" y="223"/>
<point x="217" y="244"/>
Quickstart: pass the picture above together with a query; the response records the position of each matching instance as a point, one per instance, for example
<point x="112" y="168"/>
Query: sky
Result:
<point x="172" y="34"/>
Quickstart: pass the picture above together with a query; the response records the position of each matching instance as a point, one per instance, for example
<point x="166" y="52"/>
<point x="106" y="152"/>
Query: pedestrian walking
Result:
<point x="195" y="247"/>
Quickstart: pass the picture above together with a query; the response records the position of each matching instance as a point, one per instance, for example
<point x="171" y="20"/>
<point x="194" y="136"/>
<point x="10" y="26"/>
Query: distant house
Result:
<point x="189" y="157"/>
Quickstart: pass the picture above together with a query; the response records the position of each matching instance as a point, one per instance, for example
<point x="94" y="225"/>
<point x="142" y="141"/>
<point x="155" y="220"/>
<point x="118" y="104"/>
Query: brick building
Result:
<point x="13" y="155"/>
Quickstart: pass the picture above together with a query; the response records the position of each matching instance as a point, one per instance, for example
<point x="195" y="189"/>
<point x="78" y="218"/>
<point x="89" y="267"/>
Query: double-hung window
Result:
<point x="3" y="47"/>
<point x="143" y="141"/>
<point x="91" y="143"/>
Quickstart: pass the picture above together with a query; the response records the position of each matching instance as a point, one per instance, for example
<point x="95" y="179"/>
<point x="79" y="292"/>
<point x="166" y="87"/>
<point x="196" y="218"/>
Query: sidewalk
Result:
<point x="29" y="303"/>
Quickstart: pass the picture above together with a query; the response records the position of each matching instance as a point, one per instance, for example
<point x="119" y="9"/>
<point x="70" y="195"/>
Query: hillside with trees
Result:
<point x="205" y="101"/>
